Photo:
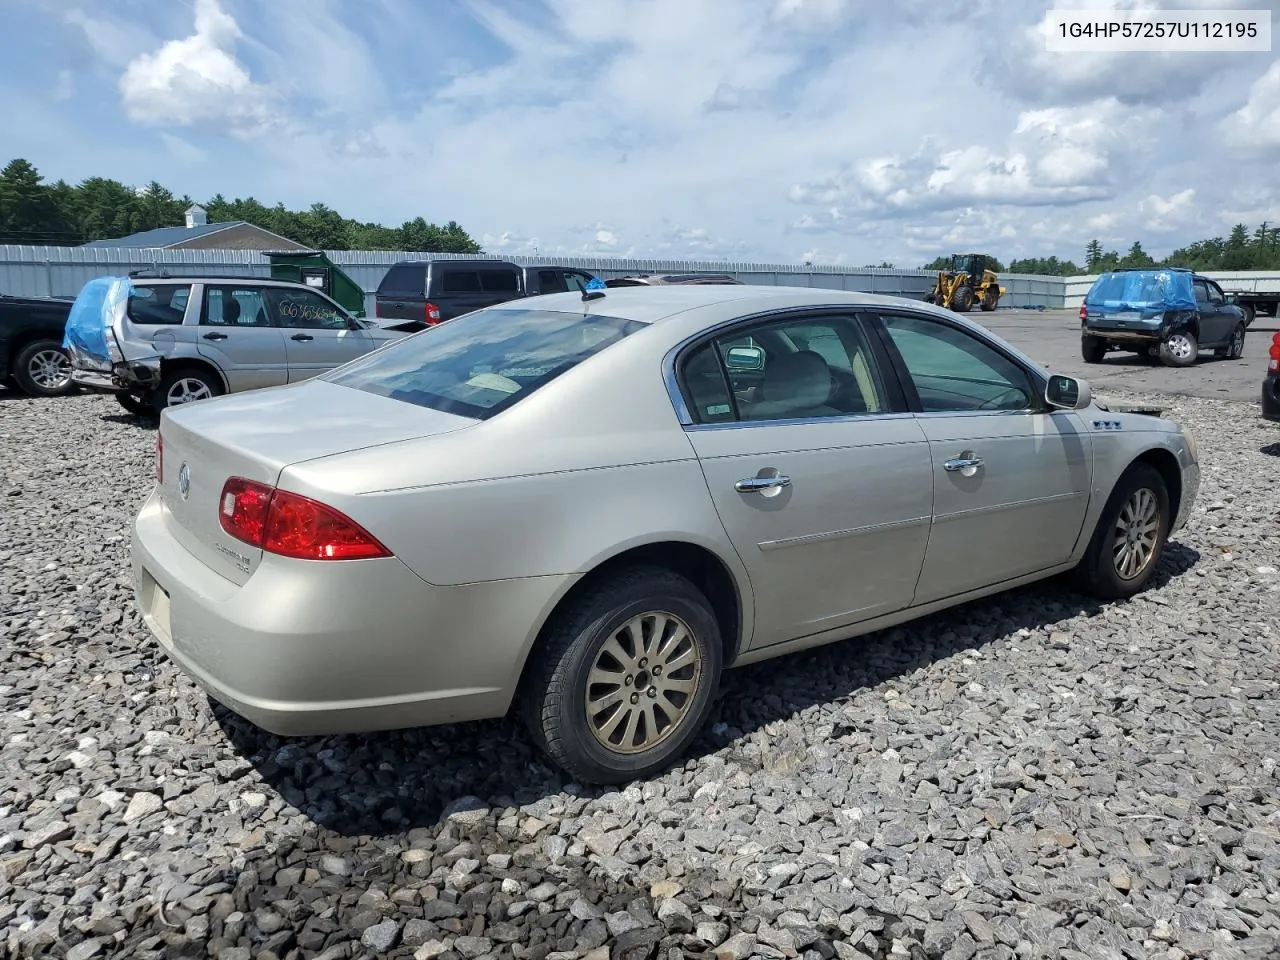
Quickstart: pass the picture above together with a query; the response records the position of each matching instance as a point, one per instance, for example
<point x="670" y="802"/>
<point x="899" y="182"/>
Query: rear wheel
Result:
<point x="624" y="678"/>
<point x="41" y="369"/>
<point x="962" y="299"/>
<point x="185" y="385"/>
<point x="1179" y="349"/>
<point x="991" y="298"/>
<point x="1234" y="349"/>
<point x="138" y="406"/>
<point x="1093" y="349"/>
<point x="1129" y="538"/>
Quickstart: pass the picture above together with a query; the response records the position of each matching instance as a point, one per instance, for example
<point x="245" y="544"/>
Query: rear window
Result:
<point x="483" y="362"/>
<point x="404" y="280"/>
<point x="498" y="281"/>
<point x="160" y="305"/>
<point x="461" y="281"/>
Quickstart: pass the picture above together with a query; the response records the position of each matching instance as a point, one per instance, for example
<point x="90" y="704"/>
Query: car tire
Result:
<point x="1093" y="349"/>
<point x="1179" y="349"/>
<point x="573" y="662"/>
<point x="43" y="369"/>
<point x="1234" y="349"/>
<point x="189" y="382"/>
<point x="1135" y="518"/>
<point x="1249" y="312"/>
<point x="138" y="406"/>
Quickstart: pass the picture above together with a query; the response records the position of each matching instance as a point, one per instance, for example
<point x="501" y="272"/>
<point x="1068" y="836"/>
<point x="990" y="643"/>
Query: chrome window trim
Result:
<point x="1038" y="378"/>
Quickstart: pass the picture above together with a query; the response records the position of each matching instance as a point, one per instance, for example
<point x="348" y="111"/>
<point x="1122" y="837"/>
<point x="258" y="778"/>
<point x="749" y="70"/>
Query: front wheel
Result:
<point x="1129" y="537"/>
<point x="1179" y="349"/>
<point x="962" y="299"/>
<point x="1234" y="350"/>
<point x="43" y="370"/>
<point x="625" y="676"/>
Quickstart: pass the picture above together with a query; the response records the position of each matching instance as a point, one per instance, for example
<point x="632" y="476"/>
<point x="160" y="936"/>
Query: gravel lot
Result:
<point x="1032" y="776"/>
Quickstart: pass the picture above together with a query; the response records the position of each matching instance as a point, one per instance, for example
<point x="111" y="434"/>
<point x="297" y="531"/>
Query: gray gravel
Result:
<point x="1032" y="776"/>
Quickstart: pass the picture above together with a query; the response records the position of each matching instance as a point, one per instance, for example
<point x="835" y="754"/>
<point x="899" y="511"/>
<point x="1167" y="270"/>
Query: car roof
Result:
<point x="652" y="303"/>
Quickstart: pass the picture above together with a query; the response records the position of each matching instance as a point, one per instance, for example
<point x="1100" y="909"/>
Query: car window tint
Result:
<point x="236" y="306"/>
<point x="498" y="281"/>
<point x="461" y="281"/>
<point x="792" y="369"/>
<point x="551" y="281"/>
<point x="405" y="280"/>
<point x="304" y="309"/>
<point x="706" y="387"/>
<point x="161" y="305"/>
<point x="1202" y="292"/>
<point x="575" y="281"/>
<point x="483" y="362"/>
<point x="955" y="371"/>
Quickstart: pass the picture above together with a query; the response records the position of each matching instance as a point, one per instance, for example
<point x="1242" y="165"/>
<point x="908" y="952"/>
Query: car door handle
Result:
<point x="754" y="484"/>
<point x="302" y="336"/>
<point x="215" y="336"/>
<point x="957" y="464"/>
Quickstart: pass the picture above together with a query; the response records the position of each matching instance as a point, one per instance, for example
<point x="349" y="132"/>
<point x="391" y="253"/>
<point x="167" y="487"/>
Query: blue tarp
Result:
<point x="99" y="302"/>
<point x="1143" y="290"/>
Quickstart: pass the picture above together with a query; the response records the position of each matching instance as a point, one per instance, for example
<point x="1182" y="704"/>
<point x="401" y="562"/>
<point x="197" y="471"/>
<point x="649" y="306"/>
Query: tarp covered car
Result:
<point x="93" y="339"/>
<point x="1169" y="313"/>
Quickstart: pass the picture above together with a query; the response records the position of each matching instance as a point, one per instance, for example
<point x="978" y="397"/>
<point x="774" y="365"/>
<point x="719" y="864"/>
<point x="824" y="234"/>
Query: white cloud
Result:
<point x="1256" y="125"/>
<point x="1163" y="214"/>
<point x="198" y="80"/>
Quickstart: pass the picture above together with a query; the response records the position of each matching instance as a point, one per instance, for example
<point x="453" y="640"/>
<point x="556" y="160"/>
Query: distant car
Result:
<point x="1167" y="313"/>
<point x="427" y="292"/>
<point x="31" y="353"/>
<point x="586" y="506"/>
<point x="186" y="338"/>
<point x="652" y="280"/>
<point x="1271" y="382"/>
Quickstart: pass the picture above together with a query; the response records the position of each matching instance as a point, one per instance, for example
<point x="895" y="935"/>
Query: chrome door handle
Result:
<point x="753" y="484"/>
<point x="962" y="463"/>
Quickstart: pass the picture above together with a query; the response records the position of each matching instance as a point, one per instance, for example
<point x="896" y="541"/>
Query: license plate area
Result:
<point x="155" y="609"/>
<point x="1126" y="316"/>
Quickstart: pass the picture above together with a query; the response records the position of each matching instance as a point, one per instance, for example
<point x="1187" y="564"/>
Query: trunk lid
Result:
<point x="256" y="435"/>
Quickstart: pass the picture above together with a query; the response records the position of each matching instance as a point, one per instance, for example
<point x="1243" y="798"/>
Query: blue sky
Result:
<point x="827" y="130"/>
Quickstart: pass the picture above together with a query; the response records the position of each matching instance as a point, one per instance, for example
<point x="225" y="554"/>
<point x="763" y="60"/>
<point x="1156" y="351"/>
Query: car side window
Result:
<point x="461" y="281"/>
<point x="1216" y="295"/>
<point x="161" y="305"/>
<point x="786" y="369"/>
<point x="230" y="305"/>
<point x="953" y="370"/>
<point x="305" y="310"/>
<point x="576" y="282"/>
<point x="1202" y="291"/>
<point x="499" y="281"/>
<point x="551" y="281"/>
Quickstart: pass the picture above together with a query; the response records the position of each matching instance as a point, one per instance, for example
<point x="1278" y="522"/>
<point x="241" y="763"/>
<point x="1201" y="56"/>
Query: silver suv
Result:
<point x="182" y="339"/>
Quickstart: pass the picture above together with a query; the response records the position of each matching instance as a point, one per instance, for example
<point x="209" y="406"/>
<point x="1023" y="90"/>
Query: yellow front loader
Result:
<point x="969" y="281"/>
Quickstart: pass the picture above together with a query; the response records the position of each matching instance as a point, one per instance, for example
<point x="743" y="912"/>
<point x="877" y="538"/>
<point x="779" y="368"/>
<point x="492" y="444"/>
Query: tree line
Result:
<point x="1242" y="249"/>
<point x="61" y="214"/>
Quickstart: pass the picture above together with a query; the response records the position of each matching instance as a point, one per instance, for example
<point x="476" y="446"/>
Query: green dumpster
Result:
<point x="315" y="269"/>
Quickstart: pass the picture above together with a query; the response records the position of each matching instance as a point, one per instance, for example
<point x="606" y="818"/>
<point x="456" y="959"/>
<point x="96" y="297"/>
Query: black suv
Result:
<point x="31" y="354"/>
<point x="427" y="292"/>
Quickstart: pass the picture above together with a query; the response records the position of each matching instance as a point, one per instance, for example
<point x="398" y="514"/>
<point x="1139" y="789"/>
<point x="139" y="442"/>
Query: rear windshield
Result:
<point x="483" y="362"/>
<point x="404" y="280"/>
<point x="162" y="304"/>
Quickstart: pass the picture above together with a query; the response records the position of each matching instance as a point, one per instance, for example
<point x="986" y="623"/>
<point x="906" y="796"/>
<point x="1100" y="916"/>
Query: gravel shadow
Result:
<point x="1271" y="449"/>
<point x="384" y="784"/>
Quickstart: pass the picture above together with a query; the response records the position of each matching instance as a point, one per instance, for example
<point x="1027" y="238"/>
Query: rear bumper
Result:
<point x="1126" y="334"/>
<point x="1271" y="397"/>
<point x="93" y="380"/>
<point x="319" y="647"/>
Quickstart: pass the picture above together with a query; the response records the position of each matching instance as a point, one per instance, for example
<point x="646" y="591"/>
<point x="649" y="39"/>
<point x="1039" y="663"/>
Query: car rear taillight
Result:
<point x="159" y="457"/>
<point x="1084" y="313"/>
<point x="431" y="314"/>
<point x="292" y="525"/>
<point x="1273" y="362"/>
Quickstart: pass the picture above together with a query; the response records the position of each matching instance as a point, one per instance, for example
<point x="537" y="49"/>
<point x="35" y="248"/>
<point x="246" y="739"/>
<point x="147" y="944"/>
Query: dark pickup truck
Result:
<point x="422" y="293"/>
<point x="31" y="354"/>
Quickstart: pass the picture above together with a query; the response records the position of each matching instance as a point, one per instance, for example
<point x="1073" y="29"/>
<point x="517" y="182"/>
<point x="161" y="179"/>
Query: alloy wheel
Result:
<point x="50" y="369"/>
<point x="186" y="390"/>
<point x="1136" y="532"/>
<point x="642" y="682"/>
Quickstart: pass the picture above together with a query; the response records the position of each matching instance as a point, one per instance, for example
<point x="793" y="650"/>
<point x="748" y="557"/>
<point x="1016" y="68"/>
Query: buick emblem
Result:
<point x="184" y="481"/>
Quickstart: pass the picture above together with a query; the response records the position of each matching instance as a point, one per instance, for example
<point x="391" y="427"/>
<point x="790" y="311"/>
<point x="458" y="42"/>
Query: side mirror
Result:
<point x="745" y="358"/>
<point x="1067" y="393"/>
